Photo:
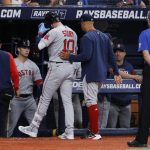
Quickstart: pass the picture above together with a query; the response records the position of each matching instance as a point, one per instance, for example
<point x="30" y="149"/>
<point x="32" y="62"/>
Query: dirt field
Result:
<point x="53" y="143"/>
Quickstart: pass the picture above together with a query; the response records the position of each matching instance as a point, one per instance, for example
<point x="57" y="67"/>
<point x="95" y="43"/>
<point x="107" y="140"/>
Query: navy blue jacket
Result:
<point x="5" y="80"/>
<point x="96" y="55"/>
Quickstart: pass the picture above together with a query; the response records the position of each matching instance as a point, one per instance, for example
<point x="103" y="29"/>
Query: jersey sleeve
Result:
<point x="84" y="55"/>
<point x="143" y="44"/>
<point x="47" y="39"/>
<point x="37" y="75"/>
<point x="14" y="73"/>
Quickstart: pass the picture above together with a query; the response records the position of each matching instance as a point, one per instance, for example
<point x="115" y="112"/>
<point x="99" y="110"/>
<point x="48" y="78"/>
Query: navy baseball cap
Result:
<point x="119" y="47"/>
<point x="86" y="17"/>
<point x="24" y="43"/>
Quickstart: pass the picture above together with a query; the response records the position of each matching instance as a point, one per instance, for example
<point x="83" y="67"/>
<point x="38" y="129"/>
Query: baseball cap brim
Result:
<point x="119" y="49"/>
<point x="86" y="17"/>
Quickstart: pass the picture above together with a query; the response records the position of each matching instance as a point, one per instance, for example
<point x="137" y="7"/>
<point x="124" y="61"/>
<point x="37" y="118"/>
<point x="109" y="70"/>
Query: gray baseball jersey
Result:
<point x="61" y="38"/>
<point x="28" y="73"/>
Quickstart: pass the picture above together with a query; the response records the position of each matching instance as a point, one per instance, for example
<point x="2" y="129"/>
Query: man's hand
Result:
<point x="118" y="79"/>
<point x="138" y="78"/>
<point x="17" y="93"/>
<point x="64" y="55"/>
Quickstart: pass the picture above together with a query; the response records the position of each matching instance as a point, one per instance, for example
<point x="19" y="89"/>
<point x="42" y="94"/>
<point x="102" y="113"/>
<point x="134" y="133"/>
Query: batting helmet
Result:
<point x="50" y="18"/>
<point x="23" y="43"/>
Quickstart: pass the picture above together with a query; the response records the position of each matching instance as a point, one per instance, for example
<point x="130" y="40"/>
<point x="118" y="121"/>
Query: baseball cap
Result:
<point x="24" y="43"/>
<point x="119" y="47"/>
<point x="86" y="17"/>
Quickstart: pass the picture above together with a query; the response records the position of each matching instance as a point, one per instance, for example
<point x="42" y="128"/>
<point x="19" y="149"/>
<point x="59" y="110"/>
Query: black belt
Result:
<point x="57" y="62"/>
<point x="25" y="95"/>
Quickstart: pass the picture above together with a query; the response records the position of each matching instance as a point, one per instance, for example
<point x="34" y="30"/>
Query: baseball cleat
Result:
<point x="65" y="136"/>
<point x="28" y="130"/>
<point x="96" y="137"/>
<point x="92" y="136"/>
<point x="136" y="143"/>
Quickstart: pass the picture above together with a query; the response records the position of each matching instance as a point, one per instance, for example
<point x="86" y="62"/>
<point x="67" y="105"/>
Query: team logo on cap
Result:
<point x="26" y="43"/>
<point x="118" y="46"/>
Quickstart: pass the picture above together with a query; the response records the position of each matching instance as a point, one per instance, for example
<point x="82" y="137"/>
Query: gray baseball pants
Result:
<point x="19" y="106"/>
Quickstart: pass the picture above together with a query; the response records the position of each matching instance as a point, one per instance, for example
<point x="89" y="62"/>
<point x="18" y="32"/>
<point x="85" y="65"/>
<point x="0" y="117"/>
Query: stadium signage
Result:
<point x="113" y="14"/>
<point x="77" y="84"/>
<point x="10" y="13"/>
<point x="108" y="86"/>
<point x="120" y="86"/>
<point x="40" y="13"/>
<point x="73" y="13"/>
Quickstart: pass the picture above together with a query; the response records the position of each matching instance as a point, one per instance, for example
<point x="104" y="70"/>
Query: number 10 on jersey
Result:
<point x="68" y="45"/>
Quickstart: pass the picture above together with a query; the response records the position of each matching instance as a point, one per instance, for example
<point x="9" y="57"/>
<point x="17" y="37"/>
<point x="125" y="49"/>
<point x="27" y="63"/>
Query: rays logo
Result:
<point x="40" y="13"/>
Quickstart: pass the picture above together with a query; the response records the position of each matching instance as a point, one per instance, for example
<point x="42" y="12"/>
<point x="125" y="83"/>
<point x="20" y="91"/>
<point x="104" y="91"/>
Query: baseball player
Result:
<point x="55" y="112"/>
<point x="60" y="74"/>
<point x="9" y="83"/>
<point x="120" y="106"/>
<point x="29" y="74"/>
<point x="96" y="54"/>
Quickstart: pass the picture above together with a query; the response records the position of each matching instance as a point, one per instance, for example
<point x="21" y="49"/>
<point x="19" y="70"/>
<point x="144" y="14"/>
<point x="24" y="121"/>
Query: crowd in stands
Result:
<point x="33" y="2"/>
<point x="118" y="3"/>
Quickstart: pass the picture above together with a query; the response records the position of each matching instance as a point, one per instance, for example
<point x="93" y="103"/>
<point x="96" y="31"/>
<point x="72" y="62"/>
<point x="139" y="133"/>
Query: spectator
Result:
<point x="82" y="2"/>
<point x="16" y="2"/>
<point x="57" y="2"/>
<point x="6" y="2"/>
<point x="120" y="107"/>
<point x="12" y="2"/>
<point x="62" y="2"/>
<point x="131" y="3"/>
<point x="23" y="3"/>
<point x="8" y="72"/>
<point x="32" y="3"/>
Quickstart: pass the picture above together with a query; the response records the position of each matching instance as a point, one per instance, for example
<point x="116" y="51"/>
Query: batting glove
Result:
<point x="42" y="29"/>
